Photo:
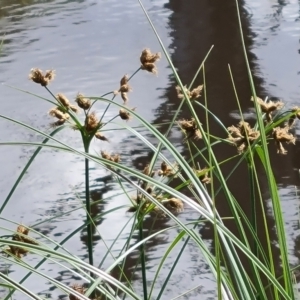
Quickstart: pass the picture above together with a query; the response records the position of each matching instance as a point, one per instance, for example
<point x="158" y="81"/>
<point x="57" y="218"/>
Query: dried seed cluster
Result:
<point x="37" y="76"/>
<point x="148" y="60"/>
<point x="21" y="236"/>
<point x="190" y="128"/>
<point x="192" y="95"/>
<point x="242" y="135"/>
<point x="268" y="107"/>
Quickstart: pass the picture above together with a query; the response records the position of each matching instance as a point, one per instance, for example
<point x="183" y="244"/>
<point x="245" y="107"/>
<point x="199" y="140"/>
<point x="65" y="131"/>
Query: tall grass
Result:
<point x="242" y="267"/>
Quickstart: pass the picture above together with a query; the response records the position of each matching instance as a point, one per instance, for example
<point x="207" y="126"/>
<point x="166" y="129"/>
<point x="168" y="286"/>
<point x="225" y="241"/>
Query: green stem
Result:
<point x="88" y="207"/>
<point x="143" y="257"/>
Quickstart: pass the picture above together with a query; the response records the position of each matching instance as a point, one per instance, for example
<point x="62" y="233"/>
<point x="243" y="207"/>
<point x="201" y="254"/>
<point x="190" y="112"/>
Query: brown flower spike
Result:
<point x="166" y="170"/>
<point x="79" y="289"/>
<point x="292" y="119"/>
<point x="37" y="76"/>
<point x="173" y="204"/>
<point x="242" y="135"/>
<point x="148" y="59"/>
<point x="280" y="136"/>
<point x="192" y="95"/>
<point x="82" y="102"/>
<point x="21" y="236"/>
<point x="190" y="128"/>
<point x="268" y="107"/>
<point x="203" y="175"/>
<point x="63" y="100"/>
<point x="91" y="122"/>
<point x="124" y="88"/>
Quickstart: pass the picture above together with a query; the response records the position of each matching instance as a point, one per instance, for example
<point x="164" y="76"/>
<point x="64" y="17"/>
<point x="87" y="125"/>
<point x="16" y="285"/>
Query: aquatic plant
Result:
<point x="165" y="186"/>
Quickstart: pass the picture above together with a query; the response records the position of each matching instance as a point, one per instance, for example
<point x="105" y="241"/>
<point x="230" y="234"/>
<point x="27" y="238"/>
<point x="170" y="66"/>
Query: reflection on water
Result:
<point x="92" y="44"/>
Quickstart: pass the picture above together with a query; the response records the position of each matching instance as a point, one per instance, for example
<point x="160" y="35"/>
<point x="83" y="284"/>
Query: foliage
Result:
<point x="164" y="193"/>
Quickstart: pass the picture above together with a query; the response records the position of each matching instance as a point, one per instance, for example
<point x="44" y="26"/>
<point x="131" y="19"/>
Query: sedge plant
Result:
<point x="169" y="183"/>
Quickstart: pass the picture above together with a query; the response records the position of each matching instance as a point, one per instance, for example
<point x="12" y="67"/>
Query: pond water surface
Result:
<point x="91" y="45"/>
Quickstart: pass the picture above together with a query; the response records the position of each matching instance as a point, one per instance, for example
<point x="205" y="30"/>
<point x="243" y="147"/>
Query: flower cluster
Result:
<point x="21" y="236"/>
<point x="242" y="136"/>
<point x="190" y="128"/>
<point x="37" y="76"/>
<point x="148" y="60"/>
<point x="192" y="95"/>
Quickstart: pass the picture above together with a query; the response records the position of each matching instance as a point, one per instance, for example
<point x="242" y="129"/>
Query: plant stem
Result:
<point x="143" y="258"/>
<point x="88" y="208"/>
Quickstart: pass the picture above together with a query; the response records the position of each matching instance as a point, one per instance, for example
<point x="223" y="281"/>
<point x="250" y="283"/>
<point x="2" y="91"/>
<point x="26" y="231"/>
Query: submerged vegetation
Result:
<point x="243" y="268"/>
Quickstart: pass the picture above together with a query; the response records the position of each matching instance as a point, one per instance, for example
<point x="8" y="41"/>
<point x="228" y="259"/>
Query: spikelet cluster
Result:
<point x="192" y="95"/>
<point x="21" y="236"/>
<point x="148" y="60"/>
<point x="190" y="128"/>
<point x="79" y="289"/>
<point x="282" y="135"/>
<point x="83" y="102"/>
<point x="37" y="76"/>
<point x="166" y="170"/>
<point x="242" y="135"/>
<point x="60" y="115"/>
<point x="268" y="107"/>
<point x="64" y="101"/>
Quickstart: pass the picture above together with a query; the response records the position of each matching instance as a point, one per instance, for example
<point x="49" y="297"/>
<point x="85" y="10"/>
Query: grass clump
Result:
<point x="164" y="193"/>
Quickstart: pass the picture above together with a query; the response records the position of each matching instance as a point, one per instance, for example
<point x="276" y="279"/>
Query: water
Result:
<point x="92" y="44"/>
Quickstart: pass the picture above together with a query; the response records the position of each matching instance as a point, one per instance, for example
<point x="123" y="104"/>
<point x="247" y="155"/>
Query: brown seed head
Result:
<point x="57" y="123"/>
<point x="62" y="99"/>
<point x="203" y="175"/>
<point x="190" y="128"/>
<point x="37" y="76"/>
<point x="124" y="80"/>
<point x="57" y="113"/>
<point x="173" y="204"/>
<point x="268" y="107"/>
<point x="124" y="114"/>
<point x="146" y="171"/>
<point x="280" y="136"/>
<point x="242" y="135"/>
<point x="79" y="289"/>
<point x="148" y="59"/>
<point x="166" y="170"/>
<point x="91" y="122"/>
<point x="192" y="95"/>
<point x="82" y="102"/>
<point x="100" y="136"/>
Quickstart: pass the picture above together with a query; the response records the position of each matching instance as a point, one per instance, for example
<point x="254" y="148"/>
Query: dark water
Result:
<point x="92" y="44"/>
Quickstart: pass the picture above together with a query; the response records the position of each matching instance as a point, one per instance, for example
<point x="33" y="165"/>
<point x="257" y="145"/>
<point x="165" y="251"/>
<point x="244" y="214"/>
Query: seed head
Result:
<point x="146" y="171"/>
<point x="173" y="204"/>
<point x="57" y="113"/>
<point x="192" y="95"/>
<point x="124" y="80"/>
<point x="79" y="289"/>
<point x="82" y="102"/>
<point x="268" y="107"/>
<point x="190" y="128"/>
<point x="148" y="59"/>
<point x="57" y="123"/>
<point x="62" y="99"/>
<point x="112" y="157"/>
<point x="242" y="135"/>
<point x="166" y="170"/>
<point x="280" y="136"/>
<point x="292" y="119"/>
<point x="91" y="122"/>
<point x="203" y="175"/>
<point x="37" y="76"/>
<point x="124" y="88"/>
<point x="124" y="114"/>
<point x="100" y="136"/>
<point x="21" y="236"/>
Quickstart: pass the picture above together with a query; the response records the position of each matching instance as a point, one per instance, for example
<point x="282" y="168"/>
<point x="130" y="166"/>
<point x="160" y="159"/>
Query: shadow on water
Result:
<point x="194" y="27"/>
